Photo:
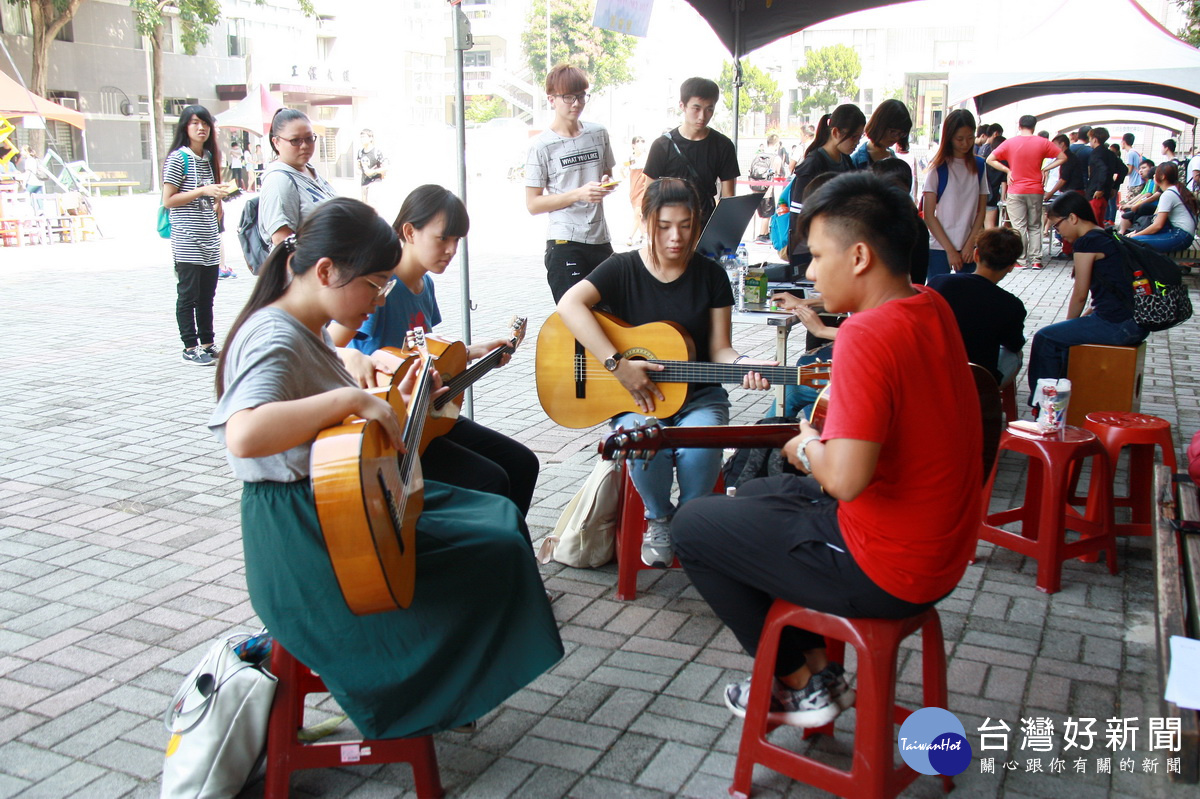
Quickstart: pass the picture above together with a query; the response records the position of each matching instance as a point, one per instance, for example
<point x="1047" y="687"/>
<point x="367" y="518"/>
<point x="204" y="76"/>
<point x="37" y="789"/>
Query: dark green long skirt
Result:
<point x="478" y="630"/>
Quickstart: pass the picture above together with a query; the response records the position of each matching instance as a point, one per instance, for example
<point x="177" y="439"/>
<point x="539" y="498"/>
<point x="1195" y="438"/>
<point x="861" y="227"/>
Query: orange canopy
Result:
<point x="17" y="101"/>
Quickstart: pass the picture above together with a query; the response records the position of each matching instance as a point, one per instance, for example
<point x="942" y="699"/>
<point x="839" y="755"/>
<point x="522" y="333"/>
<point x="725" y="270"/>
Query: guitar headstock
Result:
<point x="415" y="339"/>
<point x="517" y="327"/>
<point x="816" y="375"/>
<point x="638" y="443"/>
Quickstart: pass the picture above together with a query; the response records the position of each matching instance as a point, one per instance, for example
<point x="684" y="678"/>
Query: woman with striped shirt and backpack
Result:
<point x="192" y="195"/>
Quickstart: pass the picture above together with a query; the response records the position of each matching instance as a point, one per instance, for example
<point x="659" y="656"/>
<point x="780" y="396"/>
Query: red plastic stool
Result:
<point x="631" y="525"/>
<point x="285" y="753"/>
<point x="1141" y="433"/>
<point x="1046" y="515"/>
<point x="877" y="641"/>
<point x="1008" y="401"/>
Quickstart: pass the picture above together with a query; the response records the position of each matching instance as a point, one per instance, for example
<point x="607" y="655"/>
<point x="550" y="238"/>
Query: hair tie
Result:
<point x="289" y="244"/>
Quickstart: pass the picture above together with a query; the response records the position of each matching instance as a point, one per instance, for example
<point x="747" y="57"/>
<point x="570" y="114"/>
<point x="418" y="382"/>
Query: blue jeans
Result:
<point x="1051" y="344"/>
<point x="939" y="264"/>
<point x="1169" y="239"/>
<point x="798" y="399"/>
<point x="697" y="468"/>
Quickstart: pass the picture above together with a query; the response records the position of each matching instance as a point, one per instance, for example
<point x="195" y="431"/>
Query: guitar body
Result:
<point x="368" y="515"/>
<point x="450" y="359"/>
<point x="577" y="391"/>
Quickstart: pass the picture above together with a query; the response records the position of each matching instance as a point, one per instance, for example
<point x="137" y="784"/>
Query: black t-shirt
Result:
<point x="1112" y="289"/>
<point x="636" y="296"/>
<point x="712" y="158"/>
<point x="1072" y="172"/>
<point x="988" y="316"/>
<point x="817" y="163"/>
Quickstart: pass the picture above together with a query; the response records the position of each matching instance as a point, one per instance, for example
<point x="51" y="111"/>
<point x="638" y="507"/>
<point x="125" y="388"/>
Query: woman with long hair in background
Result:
<point x="954" y="197"/>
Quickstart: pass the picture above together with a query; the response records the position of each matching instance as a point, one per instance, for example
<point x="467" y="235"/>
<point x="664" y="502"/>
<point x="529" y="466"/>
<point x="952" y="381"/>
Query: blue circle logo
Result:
<point x="933" y="741"/>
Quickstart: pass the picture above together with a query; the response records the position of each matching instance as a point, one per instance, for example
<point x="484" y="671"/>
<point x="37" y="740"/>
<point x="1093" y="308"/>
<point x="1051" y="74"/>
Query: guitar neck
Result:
<point x="468" y="377"/>
<point x="653" y="438"/>
<point x="696" y="372"/>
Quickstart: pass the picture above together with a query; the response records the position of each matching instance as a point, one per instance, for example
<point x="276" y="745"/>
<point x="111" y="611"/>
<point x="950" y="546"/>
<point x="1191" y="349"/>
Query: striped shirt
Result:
<point x="194" y="235"/>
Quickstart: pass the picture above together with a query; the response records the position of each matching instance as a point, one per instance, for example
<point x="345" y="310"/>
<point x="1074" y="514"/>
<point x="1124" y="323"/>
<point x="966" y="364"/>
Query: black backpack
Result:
<point x="1167" y="304"/>
<point x="760" y="169"/>
<point x="253" y="247"/>
<point x="748" y="463"/>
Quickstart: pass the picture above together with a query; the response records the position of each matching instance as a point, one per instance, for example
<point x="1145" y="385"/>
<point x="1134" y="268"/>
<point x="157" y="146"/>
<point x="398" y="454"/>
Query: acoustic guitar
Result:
<point x="577" y="391"/>
<point x="450" y="361"/>
<point x="368" y="499"/>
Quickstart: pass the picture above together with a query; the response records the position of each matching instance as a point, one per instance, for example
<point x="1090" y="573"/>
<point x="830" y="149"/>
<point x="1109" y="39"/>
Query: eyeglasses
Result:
<point x="383" y="290"/>
<point x="1055" y="225"/>
<point x="571" y="99"/>
<point x="300" y="142"/>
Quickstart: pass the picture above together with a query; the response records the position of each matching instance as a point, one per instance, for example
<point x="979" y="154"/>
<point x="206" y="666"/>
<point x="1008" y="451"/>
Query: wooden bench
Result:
<point x="113" y="180"/>
<point x="1177" y="567"/>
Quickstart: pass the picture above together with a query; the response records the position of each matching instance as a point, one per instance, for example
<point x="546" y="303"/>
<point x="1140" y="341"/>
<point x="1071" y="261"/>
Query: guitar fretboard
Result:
<point x="693" y="372"/>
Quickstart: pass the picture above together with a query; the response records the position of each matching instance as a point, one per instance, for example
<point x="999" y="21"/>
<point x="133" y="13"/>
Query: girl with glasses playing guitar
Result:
<point x="431" y="223"/>
<point x="399" y="672"/>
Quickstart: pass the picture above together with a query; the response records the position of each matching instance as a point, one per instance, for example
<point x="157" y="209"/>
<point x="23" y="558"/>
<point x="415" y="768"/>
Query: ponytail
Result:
<point x="847" y="118"/>
<point x="346" y="231"/>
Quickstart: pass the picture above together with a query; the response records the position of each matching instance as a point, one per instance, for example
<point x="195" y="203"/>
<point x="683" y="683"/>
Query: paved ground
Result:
<point x="122" y="559"/>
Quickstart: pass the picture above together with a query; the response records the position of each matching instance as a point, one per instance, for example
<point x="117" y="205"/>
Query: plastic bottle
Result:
<point x="743" y="267"/>
<point x="743" y="256"/>
<point x="1141" y="284"/>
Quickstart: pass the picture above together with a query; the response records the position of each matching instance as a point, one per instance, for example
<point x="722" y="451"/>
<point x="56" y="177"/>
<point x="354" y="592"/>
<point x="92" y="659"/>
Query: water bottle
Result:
<point x="743" y="268"/>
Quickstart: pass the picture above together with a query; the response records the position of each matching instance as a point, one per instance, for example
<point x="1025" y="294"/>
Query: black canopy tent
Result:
<point x="989" y="101"/>
<point x="1102" y="109"/>
<point x="1105" y="120"/>
<point x="746" y="25"/>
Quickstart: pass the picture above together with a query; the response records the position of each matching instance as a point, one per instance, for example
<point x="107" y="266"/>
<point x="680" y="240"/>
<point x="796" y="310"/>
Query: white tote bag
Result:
<point x="586" y="532"/>
<point x="218" y="720"/>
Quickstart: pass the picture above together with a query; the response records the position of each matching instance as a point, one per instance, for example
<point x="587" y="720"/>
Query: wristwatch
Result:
<point x="611" y="362"/>
<point x="803" y="455"/>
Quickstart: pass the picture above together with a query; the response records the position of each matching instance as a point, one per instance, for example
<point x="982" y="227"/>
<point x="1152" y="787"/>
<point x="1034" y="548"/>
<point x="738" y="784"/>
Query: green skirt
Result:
<point x="479" y="628"/>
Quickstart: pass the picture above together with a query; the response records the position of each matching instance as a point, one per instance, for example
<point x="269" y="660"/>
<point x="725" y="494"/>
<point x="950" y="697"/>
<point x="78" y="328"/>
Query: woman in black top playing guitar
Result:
<point x="664" y="281"/>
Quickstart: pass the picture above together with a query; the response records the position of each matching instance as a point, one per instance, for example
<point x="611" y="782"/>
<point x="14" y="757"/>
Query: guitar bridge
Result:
<point x="580" y="372"/>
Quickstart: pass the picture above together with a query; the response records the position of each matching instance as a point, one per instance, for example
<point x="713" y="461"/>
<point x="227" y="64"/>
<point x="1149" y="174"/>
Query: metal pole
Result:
<point x="462" y="41"/>
<point x="547" y="37"/>
<point x="738" y="5"/>
<point x="155" y="163"/>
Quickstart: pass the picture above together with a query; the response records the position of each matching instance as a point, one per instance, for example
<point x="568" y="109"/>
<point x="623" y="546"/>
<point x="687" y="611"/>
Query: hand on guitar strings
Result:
<point x="632" y="375"/>
<point x="753" y="380"/>
<point x="369" y="371"/>
<point x="377" y="409"/>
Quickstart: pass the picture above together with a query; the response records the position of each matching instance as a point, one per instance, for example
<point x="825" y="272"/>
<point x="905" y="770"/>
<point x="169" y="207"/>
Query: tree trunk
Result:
<point x="156" y="94"/>
<point x="47" y="22"/>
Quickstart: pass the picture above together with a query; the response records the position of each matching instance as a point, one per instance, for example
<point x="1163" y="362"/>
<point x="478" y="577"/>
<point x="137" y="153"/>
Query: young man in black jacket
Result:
<point x="1102" y="166"/>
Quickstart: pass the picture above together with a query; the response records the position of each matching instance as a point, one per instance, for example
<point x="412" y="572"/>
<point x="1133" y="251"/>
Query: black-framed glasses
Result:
<point x="299" y="142"/>
<point x="1055" y="225"/>
<point x="383" y="290"/>
<point x="571" y="99"/>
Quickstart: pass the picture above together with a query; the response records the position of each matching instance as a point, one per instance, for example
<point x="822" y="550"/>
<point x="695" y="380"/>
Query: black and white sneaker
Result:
<point x="198" y="357"/>
<point x="834" y="677"/>
<point x="811" y="706"/>
<point x="213" y="351"/>
<point x="656" y="544"/>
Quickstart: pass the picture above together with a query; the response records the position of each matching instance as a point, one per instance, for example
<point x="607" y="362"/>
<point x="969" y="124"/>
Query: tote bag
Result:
<point x="585" y="535"/>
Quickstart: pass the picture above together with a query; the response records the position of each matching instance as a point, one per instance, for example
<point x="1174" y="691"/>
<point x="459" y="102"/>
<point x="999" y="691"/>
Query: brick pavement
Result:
<point x="118" y="527"/>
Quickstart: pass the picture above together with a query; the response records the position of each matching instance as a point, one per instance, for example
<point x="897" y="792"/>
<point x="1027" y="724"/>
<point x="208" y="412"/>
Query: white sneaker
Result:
<point x="656" y="544"/>
<point x="811" y="706"/>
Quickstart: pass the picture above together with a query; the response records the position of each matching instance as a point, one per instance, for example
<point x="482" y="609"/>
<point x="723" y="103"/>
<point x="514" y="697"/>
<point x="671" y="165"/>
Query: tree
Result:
<point x="485" y="107"/>
<point x="196" y="18"/>
<point x="760" y="92"/>
<point x="828" y="74"/>
<point x="603" y="54"/>
<point x="1190" y="32"/>
<point x="48" y="17"/>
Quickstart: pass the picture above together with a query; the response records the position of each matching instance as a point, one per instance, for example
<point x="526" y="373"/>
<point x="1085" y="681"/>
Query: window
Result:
<point x="173" y="106"/>
<point x="328" y="145"/>
<point x="143" y="106"/>
<point x="477" y="58"/>
<point x="147" y="149"/>
<point x="66" y="33"/>
<point x="237" y="39"/>
<point x="61" y="137"/>
<point x="15" y="19"/>
<point x="170" y="41"/>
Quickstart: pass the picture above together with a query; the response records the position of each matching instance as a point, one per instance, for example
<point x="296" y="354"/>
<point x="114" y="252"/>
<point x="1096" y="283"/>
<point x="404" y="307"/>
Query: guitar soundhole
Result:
<point x="393" y="511"/>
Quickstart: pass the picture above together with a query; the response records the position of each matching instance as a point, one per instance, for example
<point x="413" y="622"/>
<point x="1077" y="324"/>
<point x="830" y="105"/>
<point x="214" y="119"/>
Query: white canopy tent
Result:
<point x="1041" y="49"/>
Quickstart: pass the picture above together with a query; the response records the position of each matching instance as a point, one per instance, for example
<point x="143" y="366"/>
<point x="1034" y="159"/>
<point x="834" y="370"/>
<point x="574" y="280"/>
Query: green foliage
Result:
<point x="829" y="74"/>
<point x="483" y="108"/>
<point x="1190" y="32"/>
<point x="603" y="54"/>
<point x="760" y="92"/>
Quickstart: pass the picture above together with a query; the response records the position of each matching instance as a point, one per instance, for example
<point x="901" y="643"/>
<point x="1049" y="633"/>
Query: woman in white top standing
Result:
<point x="1174" y="224"/>
<point x="290" y="185"/>
<point x="955" y="197"/>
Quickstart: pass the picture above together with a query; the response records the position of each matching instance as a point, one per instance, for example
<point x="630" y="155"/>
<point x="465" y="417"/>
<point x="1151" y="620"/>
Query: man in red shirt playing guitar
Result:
<point x="887" y="521"/>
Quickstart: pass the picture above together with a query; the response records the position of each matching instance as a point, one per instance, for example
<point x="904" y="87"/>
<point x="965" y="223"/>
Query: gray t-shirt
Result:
<point x="286" y="197"/>
<point x="1178" y="215"/>
<point x="559" y="165"/>
<point x="274" y="358"/>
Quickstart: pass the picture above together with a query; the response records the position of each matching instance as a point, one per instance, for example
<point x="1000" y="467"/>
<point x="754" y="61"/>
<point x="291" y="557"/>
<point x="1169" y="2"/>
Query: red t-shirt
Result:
<point x="1025" y="156"/>
<point x="902" y="380"/>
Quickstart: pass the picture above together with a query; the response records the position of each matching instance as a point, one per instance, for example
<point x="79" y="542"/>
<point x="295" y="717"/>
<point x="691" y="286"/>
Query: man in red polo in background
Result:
<point x="1025" y="154"/>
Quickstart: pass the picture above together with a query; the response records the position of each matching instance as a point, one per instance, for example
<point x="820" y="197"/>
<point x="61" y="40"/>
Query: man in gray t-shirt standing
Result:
<point x="567" y="176"/>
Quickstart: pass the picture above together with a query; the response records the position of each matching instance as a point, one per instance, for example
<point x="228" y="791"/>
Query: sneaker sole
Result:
<point x="798" y="718"/>
<point x="845" y="700"/>
<point x="199" y="363"/>
<point x="655" y="563"/>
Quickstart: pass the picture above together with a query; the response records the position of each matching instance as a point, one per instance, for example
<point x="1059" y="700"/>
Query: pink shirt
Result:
<point x="1025" y="155"/>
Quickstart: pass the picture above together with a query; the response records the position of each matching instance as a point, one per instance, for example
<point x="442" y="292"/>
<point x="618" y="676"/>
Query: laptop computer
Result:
<point x="727" y="226"/>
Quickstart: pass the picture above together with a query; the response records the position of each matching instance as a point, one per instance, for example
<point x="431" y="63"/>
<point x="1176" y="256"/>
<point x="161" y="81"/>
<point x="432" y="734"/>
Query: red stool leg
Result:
<point x="631" y="525"/>
<point x="754" y="729"/>
<point x="1051" y="530"/>
<point x="874" y="731"/>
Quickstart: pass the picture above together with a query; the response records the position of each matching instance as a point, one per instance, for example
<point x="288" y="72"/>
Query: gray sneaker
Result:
<point x="656" y="544"/>
<point x="198" y="357"/>
<point x="811" y="706"/>
<point x="834" y="677"/>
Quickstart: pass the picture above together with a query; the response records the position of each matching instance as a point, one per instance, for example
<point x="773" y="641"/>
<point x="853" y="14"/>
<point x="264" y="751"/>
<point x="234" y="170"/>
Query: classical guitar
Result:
<point x="450" y="360"/>
<point x="645" y="440"/>
<point x="577" y="391"/>
<point x="368" y="499"/>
